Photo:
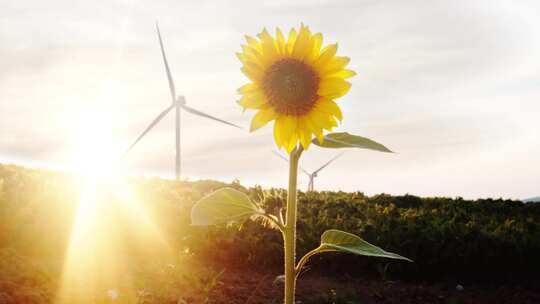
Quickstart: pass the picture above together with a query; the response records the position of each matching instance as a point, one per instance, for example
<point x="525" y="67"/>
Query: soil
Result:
<point x="254" y="288"/>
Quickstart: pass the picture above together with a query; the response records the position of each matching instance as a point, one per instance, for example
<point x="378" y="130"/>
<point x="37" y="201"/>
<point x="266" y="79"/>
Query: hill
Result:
<point x="532" y="200"/>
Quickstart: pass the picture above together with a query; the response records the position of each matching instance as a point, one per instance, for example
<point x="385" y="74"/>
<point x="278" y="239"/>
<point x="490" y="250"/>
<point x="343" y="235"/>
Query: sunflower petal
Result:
<point x="325" y="121"/>
<point x="288" y="133"/>
<point x="283" y="129"/>
<point x="254" y="43"/>
<point x="289" y="127"/>
<point x="330" y="107"/>
<point x="277" y="132"/>
<point x="317" y="43"/>
<point x="280" y="40"/>
<point x="333" y="87"/>
<point x="326" y="55"/>
<point x="302" y="46"/>
<point x="252" y="101"/>
<point x="343" y="74"/>
<point x="262" y="118"/>
<point x="253" y="71"/>
<point x="241" y="57"/>
<point x="252" y="54"/>
<point x="293" y="142"/>
<point x="247" y="88"/>
<point x="291" y="41"/>
<point x="305" y="133"/>
<point x="336" y="64"/>
<point x="312" y="119"/>
<point x="268" y="45"/>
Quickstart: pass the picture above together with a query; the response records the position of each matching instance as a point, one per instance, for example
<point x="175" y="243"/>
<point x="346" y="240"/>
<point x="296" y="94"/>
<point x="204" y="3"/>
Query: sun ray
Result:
<point x="108" y="220"/>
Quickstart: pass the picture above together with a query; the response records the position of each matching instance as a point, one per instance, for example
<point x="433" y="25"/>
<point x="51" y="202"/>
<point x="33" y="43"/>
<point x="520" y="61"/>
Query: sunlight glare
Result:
<point x="96" y="154"/>
<point x="108" y="214"/>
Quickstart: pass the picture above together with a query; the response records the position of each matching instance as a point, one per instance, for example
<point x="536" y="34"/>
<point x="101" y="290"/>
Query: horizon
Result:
<point x="436" y="83"/>
<point x="301" y="186"/>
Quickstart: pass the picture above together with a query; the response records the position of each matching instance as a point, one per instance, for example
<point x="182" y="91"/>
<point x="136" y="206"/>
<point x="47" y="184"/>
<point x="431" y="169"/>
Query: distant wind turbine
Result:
<point x="178" y="103"/>
<point x="314" y="174"/>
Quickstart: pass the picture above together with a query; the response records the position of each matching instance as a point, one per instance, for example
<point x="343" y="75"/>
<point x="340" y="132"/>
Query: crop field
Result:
<point x="140" y="247"/>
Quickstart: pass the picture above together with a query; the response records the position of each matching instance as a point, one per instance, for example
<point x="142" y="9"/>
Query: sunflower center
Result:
<point x="291" y="86"/>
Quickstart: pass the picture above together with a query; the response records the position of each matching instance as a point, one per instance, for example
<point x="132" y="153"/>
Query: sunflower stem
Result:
<point x="289" y="234"/>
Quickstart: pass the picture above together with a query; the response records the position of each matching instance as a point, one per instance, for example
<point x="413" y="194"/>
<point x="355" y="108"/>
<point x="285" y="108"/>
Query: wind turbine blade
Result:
<point x="280" y="156"/>
<point x="167" y="69"/>
<point x="154" y="122"/>
<point x="199" y="113"/>
<point x="328" y="163"/>
<point x="287" y="160"/>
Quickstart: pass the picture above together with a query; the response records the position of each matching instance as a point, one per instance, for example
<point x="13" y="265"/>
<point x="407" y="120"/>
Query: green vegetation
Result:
<point x="493" y="240"/>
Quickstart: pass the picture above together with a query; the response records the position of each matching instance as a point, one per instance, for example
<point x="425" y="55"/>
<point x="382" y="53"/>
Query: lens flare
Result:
<point x="108" y="220"/>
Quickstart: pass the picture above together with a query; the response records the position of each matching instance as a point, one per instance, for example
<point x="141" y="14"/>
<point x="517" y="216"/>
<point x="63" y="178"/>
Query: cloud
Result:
<point x="452" y="86"/>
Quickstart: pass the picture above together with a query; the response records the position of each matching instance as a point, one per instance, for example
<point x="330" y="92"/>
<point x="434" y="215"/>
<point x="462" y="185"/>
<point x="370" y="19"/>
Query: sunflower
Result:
<point x="294" y="82"/>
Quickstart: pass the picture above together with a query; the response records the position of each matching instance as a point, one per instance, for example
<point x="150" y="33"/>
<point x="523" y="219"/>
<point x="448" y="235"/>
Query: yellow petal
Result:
<point x="282" y="128"/>
<point x="267" y="44"/>
<point x="317" y="40"/>
<point x="330" y="107"/>
<point x="320" y="137"/>
<point x="253" y="101"/>
<point x="293" y="142"/>
<point x="280" y="42"/>
<point x="332" y="123"/>
<point x="311" y="120"/>
<point x="332" y="88"/>
<point x="277" y="132"/>
<point x="326" y="55"/>
<point x="252" y="54"/>
<point x="286" y="132"/>
<point x="262" y="118"/>
<point x="253" y="71"/>
<point x="247" y="88"/>
<point x="291" y="41"/>
<point x="343" y="74"/>
<point x="241" y="57"/>
<point x="303" y="44"/>
<point x="336" y="64"/>
<point x="254" y="43"/>
<point x="305" y="133"/>
<point x="289" y="127"/>
<point x="321" y="121"/>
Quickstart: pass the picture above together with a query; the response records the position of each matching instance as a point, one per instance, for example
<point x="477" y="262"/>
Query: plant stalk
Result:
<point x="289" y="234"/>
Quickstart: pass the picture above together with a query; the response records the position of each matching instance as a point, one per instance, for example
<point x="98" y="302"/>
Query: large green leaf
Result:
<point x="346" y="140"/>
<point x="223" y="206"/>
<point x="346" y="242"/>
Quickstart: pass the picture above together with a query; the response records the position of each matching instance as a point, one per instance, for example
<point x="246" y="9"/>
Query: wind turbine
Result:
<point x="314" y="174"/>
<point x="178" y="103"/>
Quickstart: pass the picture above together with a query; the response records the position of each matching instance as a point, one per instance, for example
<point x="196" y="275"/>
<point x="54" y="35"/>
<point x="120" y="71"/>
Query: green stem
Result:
<point x="304" y="259"/>
<point x="289" y="235"/>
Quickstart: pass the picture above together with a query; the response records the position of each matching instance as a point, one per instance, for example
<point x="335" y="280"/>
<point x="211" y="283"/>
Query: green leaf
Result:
<point x="223" y="206"/>
<point x="336" y="240"/>
<point x="346" y="140"/>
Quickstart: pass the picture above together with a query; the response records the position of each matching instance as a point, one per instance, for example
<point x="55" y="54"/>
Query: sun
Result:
<point x="96" y="154"/>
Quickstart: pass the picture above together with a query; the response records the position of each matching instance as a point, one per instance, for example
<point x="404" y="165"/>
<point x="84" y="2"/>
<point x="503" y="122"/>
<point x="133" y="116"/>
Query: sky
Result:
<point x="452" y="86"/>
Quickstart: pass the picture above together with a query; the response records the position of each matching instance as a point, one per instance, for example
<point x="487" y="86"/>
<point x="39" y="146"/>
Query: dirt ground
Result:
<point x="261" y="288"/>
<point x="254" y="287"/>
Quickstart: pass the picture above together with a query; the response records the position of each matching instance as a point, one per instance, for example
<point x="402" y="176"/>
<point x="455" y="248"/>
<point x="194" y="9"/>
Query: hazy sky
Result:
<point x="452" y="86"/>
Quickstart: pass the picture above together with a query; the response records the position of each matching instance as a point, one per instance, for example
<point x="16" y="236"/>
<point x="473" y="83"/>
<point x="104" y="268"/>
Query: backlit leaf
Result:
<point x="223" y="206"/>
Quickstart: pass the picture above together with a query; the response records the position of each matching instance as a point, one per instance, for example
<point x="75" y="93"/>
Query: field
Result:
<point x="139" y="247"/>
